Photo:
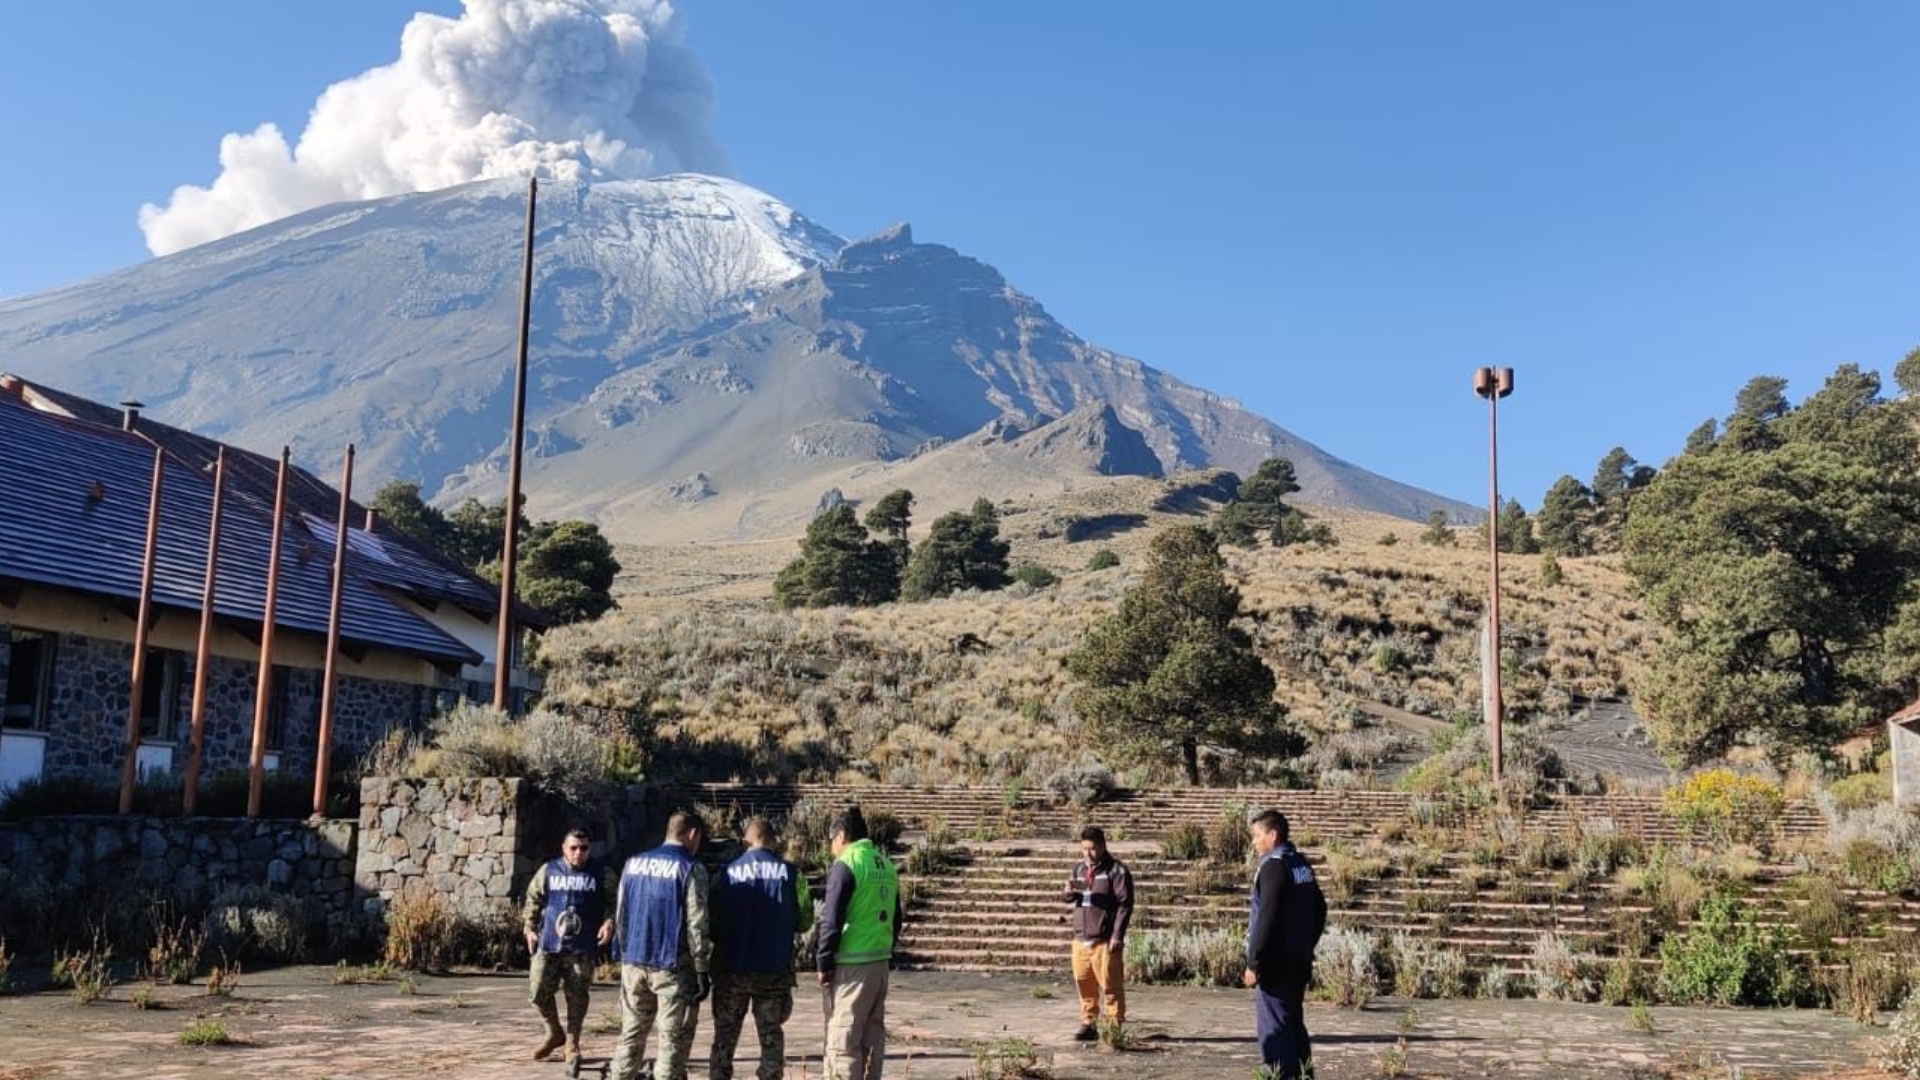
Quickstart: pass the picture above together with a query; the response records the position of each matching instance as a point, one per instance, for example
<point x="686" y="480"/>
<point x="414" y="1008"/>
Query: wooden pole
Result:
<point x="130" y="768"/>
<point x="203" y="647"/>
<point x="263" y="687"/>
<point x="323" y="759"/>
<point x="510" y="545"/>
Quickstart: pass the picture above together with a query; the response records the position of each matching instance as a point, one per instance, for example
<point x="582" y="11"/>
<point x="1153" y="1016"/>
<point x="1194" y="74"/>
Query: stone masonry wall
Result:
<point x="459" y="838"/>
<point x="311" y="861"/>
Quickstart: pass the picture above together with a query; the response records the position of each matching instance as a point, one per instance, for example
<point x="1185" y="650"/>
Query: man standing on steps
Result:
<point x="760" y="902"/>
<point x="1289" y="914"/>
<point x="1101" y="891"/>
<point x="858" y="926"/>
<point x="567" y="919"/>
<point x="665" y="951"/>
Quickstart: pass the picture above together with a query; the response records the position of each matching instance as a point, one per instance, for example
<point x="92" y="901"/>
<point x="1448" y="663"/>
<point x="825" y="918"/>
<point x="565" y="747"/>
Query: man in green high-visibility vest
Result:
<point x="858" y="926"/>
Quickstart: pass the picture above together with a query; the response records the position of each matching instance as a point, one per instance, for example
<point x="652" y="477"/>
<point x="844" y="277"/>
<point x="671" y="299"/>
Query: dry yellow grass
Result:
<point x="738" y="688"/>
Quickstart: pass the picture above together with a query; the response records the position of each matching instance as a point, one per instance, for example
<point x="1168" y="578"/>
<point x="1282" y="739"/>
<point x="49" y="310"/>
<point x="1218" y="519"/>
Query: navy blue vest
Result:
<point x="1296" y="925"/>
<point x="753" y="905"/>
<point x="653" y="887"/>
<point x="576" y="892"/>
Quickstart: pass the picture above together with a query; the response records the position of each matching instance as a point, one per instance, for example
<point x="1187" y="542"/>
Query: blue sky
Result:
<point x="1330" y="212"/>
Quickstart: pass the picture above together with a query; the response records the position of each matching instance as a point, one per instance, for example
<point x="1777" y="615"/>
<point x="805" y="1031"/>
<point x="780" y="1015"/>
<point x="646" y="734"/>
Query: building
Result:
<point x="417" y="630"/>
<point x="1903" y="734"/>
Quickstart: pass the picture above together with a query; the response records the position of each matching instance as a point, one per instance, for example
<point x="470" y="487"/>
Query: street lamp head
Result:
<point x="1491" y="382"/>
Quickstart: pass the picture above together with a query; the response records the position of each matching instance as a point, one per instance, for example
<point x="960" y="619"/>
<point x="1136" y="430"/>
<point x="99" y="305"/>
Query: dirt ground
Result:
<point x="296" y="1023"/>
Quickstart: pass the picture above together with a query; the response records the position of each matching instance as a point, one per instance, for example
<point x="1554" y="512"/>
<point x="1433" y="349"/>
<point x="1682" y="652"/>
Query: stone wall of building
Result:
<point x="187" y="858"/>
<point x="87" y="710"/>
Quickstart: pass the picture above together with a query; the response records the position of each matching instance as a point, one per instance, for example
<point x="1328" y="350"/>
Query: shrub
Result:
<point x="1187" y="954"/>
<point x="883" y="829"/>
<point x="1726" y="805"/>
<point x="252" y="921"/>
<point x="1550" y="572"/>
<point x="1035" y="576"/>
<point x="174" y="956"/>
<point x="1082" y="784"/>
<point x="1387" y="540"/>
<point x="804" y="833"/>
<point x="1185" y="841"/>
<point x="1627" y="982"/>
<point x="1103" y="559"/>
<point x="1861" y="790"/>
<point x="1867" y="981"/>
<point x="1343" y="967"/>
<point x="1228" y="842"/>
<point x="1823" y="911"/>
<point x="421" y="928"/>
<point x="1901" y="1051"/>
<point x="1725" y="959"/>
<point x="934" y="854"/>
<point x="1496" y="983"/>
<point x="87" y="972"/>
<point x="1423" y="969"/>
<point x="1559" y="973"/>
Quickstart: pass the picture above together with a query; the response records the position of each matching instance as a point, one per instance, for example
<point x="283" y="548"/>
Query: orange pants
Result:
<point x="1097" y="968"/>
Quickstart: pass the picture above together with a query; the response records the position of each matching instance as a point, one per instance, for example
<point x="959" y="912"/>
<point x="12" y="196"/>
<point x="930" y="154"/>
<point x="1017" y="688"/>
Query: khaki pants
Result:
<point x="572" y="972"/>
<point x="856" y="1007"/>
<point x="770" y="997"/>
<point x="1098" y="969"/>
<point x="650" y="994"/>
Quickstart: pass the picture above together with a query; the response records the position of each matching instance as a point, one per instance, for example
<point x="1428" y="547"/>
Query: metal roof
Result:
<point x="409" y="565"/>
<point x="73" y="514"/>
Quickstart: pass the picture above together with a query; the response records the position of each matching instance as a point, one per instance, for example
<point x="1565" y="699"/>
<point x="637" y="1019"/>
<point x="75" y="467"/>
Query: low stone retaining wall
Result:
<point x="458" y="837"/>
<point x="311" y="861"/>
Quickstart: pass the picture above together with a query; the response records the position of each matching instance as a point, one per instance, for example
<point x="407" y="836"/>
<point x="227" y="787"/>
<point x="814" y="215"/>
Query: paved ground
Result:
<point x="295" y="1024"/>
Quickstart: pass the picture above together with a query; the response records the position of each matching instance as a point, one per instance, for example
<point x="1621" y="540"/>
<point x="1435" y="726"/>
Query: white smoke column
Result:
<point x="574" y="88"/>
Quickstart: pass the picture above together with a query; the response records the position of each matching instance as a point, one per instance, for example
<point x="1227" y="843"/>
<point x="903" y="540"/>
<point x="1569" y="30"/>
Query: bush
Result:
<point x="205" y="1033"/>
<point x="1559" y="973"/>
<point x="1727" y="959"/>
<point x="1009" y="1057"/>
<point x="1861" y="790"/>
<point x="883" y="829"/>
<point x="254" y="922"/>
<point x="1343" y="967"/>
<point x="1423" y="969"/>
<point x="1103" y="559"/>
<point x="1867" y="981"/>
<point x="1185" y="841"/>
<point x="1188" y="954"/>
<point x="1033" y="575"/>
<point x="421" y="930"/>
<point x="1726" y="805"/>
<point x="1229" y="843"/>
<point x="804" y="834"/>
<point x="1081" y="784"/>
<point x="1901" y="1052"/>
<point x="1824" y="911"/>
<point x="1627" y="982"/>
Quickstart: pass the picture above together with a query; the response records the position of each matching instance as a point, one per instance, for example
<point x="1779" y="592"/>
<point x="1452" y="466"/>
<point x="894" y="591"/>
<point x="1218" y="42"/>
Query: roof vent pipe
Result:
<point x="130" y="414"/>
<point x="373" y="518"/>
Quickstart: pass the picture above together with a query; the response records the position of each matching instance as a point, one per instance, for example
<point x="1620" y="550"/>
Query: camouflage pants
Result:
<point x="770" y="997"/>
<point x="657" y="1001"/>
<point x="572" y="972"/>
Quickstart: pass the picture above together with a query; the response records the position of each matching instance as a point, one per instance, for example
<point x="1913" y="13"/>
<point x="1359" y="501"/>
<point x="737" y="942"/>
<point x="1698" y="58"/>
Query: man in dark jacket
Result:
<point x="760" y="901"/>
<point x="859" y="924"/>
<point x="567" y="917"/>
<point x="1289" y="915"/>
<point x="1101" y="891"/>
<point x="666" y="950"/>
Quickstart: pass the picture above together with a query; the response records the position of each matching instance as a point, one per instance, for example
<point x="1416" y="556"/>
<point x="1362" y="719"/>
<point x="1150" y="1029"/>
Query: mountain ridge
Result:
<point x="706" y="361"/>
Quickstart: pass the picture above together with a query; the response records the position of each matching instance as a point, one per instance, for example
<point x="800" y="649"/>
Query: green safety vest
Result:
<point x="867" y="935"/>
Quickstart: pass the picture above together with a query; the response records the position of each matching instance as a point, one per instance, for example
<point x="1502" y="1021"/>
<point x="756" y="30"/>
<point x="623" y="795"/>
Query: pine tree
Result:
<point x="961" y="551"/>
<point x="1259" y="510"/>
<point x="1438" y="533"/>
<point x="1565" y="521"/>
<point x="838" y="564"/>
<point x="1171" y="672"/>
<point x="889" y="521"/>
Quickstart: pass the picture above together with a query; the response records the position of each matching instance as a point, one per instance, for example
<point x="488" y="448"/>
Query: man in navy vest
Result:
<point x="665" y="951"/>
<point x="759" y="903"/>
<point x="1289" y="915"/>
<point x="567" y="921"/>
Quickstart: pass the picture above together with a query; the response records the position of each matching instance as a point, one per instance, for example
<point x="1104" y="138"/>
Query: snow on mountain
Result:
<point x="705" y="360"/>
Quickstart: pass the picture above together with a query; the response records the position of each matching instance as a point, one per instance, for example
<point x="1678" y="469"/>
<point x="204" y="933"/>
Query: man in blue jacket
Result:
<point x="567" y="918"/>
<point x="1289" y="914"/>
<point x="759" y="903"/>
<point x="665" y="950"/>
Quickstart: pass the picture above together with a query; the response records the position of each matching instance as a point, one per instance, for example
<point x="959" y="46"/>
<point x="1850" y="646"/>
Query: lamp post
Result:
<point x="1493" y="384"/>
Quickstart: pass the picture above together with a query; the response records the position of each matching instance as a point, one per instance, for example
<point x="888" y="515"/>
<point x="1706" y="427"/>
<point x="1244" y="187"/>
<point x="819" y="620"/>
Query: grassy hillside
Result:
<point x="732" y="688"/>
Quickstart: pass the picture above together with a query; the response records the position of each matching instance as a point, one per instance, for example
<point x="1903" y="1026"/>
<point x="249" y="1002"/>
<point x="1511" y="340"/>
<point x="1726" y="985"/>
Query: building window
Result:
<point x="279" y="698"/>
<point x="160" y="695"/>
<point x="29" y="679"/>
